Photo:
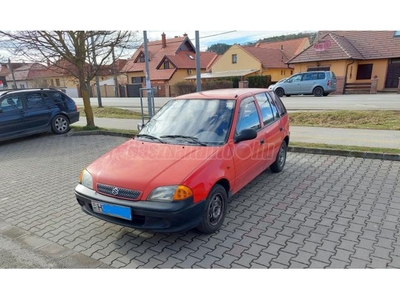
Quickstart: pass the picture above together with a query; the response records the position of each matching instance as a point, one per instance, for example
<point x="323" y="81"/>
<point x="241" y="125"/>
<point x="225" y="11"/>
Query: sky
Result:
<point x="216" y="21"/>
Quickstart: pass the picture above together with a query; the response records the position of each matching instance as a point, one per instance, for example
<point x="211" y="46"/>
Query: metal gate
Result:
<point x="393" y="74"/>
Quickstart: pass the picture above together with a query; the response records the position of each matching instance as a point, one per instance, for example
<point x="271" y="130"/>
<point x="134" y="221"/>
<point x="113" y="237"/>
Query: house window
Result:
<point x="234" y="58"/>
<point x="364" y="71"/>
<point x="397" y="33"/>
<point x="52" y="82"/>
<point x="22" y="86"/>
<point x="189" y="72"/>
<point x="137" y="79"/>
<point x="166" y="64"/>
<point x="57" y="82"/>
<point x="282" y="72"/>
<point x="141" y="57"/>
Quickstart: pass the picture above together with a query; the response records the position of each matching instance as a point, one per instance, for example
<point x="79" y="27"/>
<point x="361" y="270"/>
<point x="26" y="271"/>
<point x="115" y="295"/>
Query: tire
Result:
<point x="318" y="91"/>
<point x="214" y="211"/>
<point x="326" y="94"/>
<point x="280" y="92"/>
<point x="280" y="161"/>
<point x="60" y="124"/>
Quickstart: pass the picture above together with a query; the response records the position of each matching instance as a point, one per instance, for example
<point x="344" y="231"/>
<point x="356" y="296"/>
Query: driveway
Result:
<point x="320" y="212"/>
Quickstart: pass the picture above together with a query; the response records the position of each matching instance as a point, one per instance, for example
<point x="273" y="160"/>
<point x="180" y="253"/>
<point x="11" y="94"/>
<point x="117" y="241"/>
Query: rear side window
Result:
<point x="58" y="97"/>
<point x="281" y="106"/>
<point x="267" y="112"/>
<point x="321" y="75"/>
<point x="34" y="100"/>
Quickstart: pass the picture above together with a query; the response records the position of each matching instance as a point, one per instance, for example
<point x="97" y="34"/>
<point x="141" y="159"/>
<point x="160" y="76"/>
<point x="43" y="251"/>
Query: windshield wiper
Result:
<point x="192" y="138"/>
<point x="151" y="137"/>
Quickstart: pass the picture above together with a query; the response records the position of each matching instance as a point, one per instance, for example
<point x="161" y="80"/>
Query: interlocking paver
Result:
<point x="321" y="212"/>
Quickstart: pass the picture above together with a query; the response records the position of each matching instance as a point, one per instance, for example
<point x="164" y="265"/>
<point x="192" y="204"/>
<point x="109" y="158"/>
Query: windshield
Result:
<point x="194" y="121"/>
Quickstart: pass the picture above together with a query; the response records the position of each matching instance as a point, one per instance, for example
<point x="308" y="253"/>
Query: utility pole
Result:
<point x="198" y="68"/>
<point x="97" y="77"/>
<point x="12" y="73"/>
<point x="115" y="75"/>
<point x="148" y="83"/>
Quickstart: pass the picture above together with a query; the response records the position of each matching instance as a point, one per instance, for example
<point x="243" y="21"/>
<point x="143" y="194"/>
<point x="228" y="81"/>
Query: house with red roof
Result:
<point x="269" y="58"/>
<point x="170" y="61"/>
<point x="362" y="60"/>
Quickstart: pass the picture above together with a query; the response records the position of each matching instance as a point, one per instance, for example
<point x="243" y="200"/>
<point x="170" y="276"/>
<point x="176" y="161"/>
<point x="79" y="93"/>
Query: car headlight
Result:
<point x="86" y="179"/>
<point x="170" y="193"/>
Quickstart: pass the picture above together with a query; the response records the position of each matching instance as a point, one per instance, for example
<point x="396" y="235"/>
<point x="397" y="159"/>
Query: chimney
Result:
<point x="164" y="40"/>
<point x="185" y="34"/>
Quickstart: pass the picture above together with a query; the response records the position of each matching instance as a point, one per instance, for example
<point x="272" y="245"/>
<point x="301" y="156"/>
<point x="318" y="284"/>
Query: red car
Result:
<point x="197" y="151"/>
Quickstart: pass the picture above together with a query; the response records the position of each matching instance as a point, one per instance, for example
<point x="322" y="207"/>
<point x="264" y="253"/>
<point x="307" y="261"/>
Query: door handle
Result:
<point x="280" y="129"/>
<point x="262" y="141"/>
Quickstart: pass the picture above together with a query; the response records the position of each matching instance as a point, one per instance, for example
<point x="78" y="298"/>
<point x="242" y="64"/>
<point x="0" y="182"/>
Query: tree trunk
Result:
<point x="86" y="104"/>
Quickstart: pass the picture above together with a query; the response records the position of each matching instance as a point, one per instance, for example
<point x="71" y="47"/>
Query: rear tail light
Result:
<point x="329" y="83"/>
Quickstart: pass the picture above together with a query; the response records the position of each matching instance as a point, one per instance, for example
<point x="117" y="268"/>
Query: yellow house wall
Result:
<point x="277" y="74"/>
<point x="379" y="69"/>
<point x="244" y="61"/>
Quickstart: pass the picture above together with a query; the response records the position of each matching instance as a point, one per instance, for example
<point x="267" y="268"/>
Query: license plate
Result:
<point x="118" y="211"/>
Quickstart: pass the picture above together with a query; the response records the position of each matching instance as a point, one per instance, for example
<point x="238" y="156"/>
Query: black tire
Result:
<point x="60" y="124"/>
<point x="318" y="91"/>
<point x="326" y="94"/>
<point x="215" y="210"/>
<point x="280" y="92"/>
<point x="280" y="161"/>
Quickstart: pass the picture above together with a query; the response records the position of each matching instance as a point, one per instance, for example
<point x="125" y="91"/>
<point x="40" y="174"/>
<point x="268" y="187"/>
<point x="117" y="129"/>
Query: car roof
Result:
<point x="232" y="93"/>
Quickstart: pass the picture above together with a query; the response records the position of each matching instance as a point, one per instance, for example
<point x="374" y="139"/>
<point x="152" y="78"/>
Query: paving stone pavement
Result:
<point x="322" y="211"/>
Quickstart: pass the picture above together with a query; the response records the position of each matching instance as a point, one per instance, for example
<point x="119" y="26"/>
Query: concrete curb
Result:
<point x="347" y="153"/>
<point x="323" y="151"/>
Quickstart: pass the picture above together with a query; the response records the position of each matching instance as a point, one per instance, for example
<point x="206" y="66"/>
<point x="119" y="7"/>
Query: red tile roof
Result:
<point x="269" y="58"/>
<point x="352" y="45"/>
<point x="289" y="47"/>
<point x="177" y="50"/>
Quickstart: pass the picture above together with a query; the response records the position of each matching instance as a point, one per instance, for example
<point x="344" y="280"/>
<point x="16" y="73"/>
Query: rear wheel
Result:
<point x="318" y="91"/>
<point x="214" y="211"/>
<point x="60" y="124"/>
<point x="280" y="92"/>
<point x="280" y="161"/>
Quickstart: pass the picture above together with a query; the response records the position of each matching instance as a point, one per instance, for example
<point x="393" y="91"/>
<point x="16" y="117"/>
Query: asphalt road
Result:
<point x="381" y="101"/>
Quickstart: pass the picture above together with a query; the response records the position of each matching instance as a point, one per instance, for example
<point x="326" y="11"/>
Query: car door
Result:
<point x="293" y="84"/>
<point x="38" y="112"/>
<point x="271" y="131"/>
<point x="247" y="155"/>
<point x="11" y="116"/>
<point x="308" y="82"/>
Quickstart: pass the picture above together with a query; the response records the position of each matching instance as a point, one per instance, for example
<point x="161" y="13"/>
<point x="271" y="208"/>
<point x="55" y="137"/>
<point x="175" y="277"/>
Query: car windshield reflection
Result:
<point x="192" y="122"/>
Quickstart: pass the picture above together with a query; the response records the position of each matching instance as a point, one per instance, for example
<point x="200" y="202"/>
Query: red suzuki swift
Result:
<point x="196" y="152"/>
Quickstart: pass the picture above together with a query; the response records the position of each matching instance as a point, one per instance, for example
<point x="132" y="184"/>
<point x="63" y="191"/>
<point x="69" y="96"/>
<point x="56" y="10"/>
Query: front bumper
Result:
<point x="147" y="215"/>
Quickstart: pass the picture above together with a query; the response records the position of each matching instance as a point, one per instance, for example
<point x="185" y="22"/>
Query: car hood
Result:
<point x="141" y="165"/>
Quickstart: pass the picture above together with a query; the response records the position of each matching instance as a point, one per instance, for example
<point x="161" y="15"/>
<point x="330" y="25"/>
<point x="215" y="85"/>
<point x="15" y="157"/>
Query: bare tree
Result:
<point x="72" y="52"/>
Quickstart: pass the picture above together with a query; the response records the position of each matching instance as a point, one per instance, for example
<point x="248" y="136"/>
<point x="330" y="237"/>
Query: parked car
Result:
<point x="317" y="83"/>
<point x="31" y="111"/>
<point x="196" y="152"/>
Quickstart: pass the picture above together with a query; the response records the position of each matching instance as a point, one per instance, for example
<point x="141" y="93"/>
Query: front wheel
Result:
<point x="280" y="161"/>
<point x="215" y="210"/>
<point x="60" y="124"/>
<point x="318" y="91"/>
<point x="280" y="92"/>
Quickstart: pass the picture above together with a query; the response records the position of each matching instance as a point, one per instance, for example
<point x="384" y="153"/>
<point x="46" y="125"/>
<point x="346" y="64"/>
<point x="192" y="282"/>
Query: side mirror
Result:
<point x="245" y="135"/>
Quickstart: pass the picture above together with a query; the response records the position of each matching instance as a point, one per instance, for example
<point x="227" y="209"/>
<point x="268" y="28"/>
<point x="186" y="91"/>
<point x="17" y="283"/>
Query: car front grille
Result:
<point x="117" y="192"/>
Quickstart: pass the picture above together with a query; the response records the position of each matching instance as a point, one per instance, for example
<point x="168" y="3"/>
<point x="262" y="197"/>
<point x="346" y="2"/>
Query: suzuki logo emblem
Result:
<point x="115" y="191"/>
